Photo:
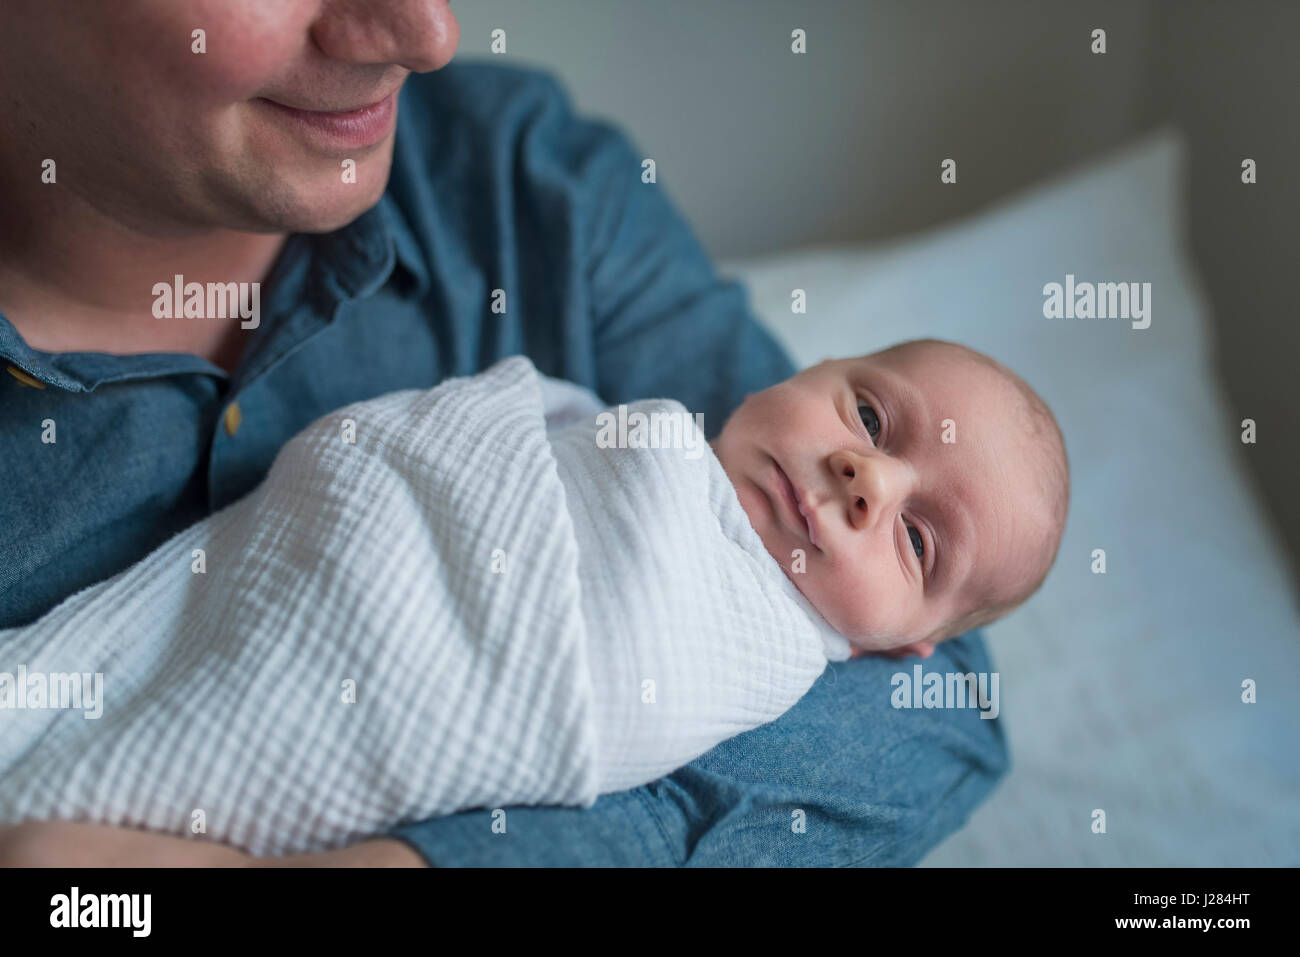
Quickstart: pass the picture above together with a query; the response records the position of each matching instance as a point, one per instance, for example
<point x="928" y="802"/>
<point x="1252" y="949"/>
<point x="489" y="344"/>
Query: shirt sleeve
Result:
<point x="842" y="779"/>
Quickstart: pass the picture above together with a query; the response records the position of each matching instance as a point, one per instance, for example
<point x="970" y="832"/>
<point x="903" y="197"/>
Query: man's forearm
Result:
<point x="380" y="852"/>
<point x="74" y="844"/>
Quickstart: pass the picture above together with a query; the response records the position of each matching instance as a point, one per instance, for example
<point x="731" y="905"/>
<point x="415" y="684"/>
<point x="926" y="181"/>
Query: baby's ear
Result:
<point x="922" y="649"/>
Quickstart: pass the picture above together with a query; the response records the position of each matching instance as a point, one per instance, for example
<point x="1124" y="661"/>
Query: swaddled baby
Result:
<point x="464" y="598"/>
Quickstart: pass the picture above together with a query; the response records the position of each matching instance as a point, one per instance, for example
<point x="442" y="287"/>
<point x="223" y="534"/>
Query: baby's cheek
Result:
<point x="751" y="502"/>
<point x="841" y="606"/>
<point x="866" y="609"/>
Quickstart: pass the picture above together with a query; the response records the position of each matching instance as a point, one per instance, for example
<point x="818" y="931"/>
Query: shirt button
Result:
<point x="232" y="418"/>
<point x="24" y="378"/>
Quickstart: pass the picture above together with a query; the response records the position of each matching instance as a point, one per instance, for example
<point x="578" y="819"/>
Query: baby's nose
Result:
<point x="870" y="483"/>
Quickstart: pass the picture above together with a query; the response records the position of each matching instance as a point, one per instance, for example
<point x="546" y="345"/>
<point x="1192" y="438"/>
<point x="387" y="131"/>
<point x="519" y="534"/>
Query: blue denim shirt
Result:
<point x="495" y="184"/>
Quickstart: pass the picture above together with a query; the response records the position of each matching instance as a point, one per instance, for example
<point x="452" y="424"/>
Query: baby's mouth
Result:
<point x="810" y="517"/>
<point x="801" y="516"/>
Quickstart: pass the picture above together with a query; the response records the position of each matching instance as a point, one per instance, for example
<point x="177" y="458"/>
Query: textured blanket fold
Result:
<point x="455" y="609"/>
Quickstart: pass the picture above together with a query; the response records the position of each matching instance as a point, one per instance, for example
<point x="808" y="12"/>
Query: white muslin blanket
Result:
<point x="432" y="603"/>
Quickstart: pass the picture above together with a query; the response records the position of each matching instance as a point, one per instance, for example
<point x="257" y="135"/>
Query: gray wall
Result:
<point x="1228" y="74"/>
<point x="765" y="151"/>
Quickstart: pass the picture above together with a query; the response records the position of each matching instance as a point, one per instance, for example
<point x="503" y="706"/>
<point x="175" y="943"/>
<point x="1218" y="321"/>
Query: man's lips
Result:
<point x="360" y="126"/>
<point x="801" y="516"/>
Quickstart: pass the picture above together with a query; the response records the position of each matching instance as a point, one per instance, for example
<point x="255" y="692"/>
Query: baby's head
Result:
<point x="911" y="495"/>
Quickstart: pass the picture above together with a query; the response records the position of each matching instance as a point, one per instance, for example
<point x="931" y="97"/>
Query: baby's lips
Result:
<point x="810" y="517"/>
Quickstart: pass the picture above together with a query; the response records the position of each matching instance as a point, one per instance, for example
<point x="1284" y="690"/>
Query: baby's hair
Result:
<point x="1053" y="477"/>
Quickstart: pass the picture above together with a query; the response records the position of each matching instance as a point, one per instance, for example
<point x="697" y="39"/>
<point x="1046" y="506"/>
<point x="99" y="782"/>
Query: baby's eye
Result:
<point x="869" y="419"/>
<point x="918" y="545"/>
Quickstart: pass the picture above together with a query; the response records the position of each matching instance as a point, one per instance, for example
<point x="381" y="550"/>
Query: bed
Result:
<point x="1121" y="691"/>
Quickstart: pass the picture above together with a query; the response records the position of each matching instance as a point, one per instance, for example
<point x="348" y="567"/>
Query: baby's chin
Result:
<point x="863" y="640"/>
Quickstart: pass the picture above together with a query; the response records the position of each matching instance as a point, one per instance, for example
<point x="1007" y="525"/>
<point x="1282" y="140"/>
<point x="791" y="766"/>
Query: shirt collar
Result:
<point x="350" y="262"/>
<point x="409" y="255"/>
<point x="359" y="258"/>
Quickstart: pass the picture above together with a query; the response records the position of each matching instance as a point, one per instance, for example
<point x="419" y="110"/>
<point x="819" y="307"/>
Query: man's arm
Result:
<point x="842" y="779"/>
<point x="76" y="844"/>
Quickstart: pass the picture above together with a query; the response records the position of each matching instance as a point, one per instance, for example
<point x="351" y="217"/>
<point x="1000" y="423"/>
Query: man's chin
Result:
<point x="313" y="200"/>
<point x="301" y="214"/>
<point x="324" y="221"/>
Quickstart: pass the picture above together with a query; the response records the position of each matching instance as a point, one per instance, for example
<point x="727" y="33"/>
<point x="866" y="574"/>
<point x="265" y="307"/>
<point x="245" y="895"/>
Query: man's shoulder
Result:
<point x="481" y="93"/>
<point x="478" y="133"/>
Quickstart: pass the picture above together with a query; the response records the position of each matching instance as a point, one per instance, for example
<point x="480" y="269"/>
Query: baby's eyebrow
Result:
<point x="904" y="400"/>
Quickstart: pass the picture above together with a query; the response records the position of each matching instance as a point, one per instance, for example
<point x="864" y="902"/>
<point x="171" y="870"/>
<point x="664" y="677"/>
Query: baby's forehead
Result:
<point x="943" y="375"/>
<point x="928" y="356"/>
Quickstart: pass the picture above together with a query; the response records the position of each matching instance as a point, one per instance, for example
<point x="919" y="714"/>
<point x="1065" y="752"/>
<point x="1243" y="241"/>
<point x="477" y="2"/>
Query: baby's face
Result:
<point x="894" y="489"/>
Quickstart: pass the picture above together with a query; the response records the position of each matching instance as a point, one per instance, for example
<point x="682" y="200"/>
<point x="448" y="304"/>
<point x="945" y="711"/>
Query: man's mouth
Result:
<point x="357" y="126"/>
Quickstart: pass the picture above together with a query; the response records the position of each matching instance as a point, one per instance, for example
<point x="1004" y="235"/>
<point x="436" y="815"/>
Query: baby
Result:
<point x="910" y="495"/>
<point x="462" y="597"/>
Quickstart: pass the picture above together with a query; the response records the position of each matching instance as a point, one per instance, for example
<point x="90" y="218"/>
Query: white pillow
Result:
<point x="1119" y="691"/>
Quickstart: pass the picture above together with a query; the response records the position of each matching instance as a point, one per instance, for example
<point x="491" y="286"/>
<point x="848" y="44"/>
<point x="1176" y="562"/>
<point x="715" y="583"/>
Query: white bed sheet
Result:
<point x="1123" y="691"/>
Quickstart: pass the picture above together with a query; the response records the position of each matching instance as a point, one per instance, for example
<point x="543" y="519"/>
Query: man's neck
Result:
<point x="75" y="280"/>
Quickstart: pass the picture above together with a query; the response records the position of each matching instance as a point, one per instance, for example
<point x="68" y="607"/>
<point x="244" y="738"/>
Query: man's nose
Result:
<point x="872" y="484"/>
<point x="420" y="35"/>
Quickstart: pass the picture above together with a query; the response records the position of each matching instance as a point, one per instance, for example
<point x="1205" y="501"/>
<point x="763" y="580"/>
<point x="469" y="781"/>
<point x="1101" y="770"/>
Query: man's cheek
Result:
<point x="215" y="53"/>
